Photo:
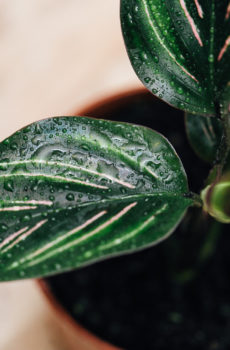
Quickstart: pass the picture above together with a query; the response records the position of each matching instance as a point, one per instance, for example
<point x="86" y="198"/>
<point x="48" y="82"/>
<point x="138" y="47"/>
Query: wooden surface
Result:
<point x="56" y="57"/>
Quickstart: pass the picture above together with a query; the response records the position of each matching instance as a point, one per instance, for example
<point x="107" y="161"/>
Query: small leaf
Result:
<point x="204" y="135"/>
<point x="180" y="49"/>
<point x="217" y="201"/>
<point x="76" y="190"/>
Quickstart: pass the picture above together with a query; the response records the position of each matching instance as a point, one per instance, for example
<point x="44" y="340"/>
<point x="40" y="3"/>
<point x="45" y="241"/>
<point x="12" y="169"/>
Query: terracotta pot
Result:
<point x="77" y="337"/>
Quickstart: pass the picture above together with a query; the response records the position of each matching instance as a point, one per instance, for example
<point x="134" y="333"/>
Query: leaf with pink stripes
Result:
<point x="77" y="190"/>
<point x="180" y="49"/>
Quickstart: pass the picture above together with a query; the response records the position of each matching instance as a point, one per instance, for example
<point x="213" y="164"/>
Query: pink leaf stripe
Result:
<point x="33" y="202"/>
<point x="17" y="208"/>
<point x="68" y="234"/>
<point x="12" y="237"/>
<point x="70" y="166"/>
<point x="163" y="44"/>
<point x="24" y="235"/>
<point x="191" y="22"/>
<point x="77" y="241"/>
<point x="134" y="232"/>
<point x="199" y="9"/>
<point x="224" y="48"/>
<point x="227" y="12"/>
<point x="56" y="178"/>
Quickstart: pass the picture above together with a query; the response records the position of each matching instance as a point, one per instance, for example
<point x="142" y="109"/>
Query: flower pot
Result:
<point x="171" y="296"/>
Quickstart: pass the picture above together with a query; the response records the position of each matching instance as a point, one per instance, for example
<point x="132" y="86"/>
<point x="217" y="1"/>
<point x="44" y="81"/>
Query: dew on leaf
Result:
<point x="70" y="197"/>
<point x="3" y="167"/>
<point x="211" y="58"/>
<point x="3" y="227"/>
<point x="36" y="140"/>
<point x="14" y="146"/>
<point x="26" y="218"/>
<point x="9" y="185"/>
<point x="147" y="80"/>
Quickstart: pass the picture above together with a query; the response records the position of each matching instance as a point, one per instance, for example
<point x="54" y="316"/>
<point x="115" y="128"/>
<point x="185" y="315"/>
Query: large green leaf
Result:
<point x="75" y="190"/>
<point x="180" y="50"/>
<point x="204" y="135"/>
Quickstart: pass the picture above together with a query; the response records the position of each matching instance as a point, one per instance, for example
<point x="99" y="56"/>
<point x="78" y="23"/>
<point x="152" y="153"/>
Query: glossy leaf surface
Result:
<point x="75" y="190"/>
<point x="204" y="135"/>
<point x="180" y="49"/>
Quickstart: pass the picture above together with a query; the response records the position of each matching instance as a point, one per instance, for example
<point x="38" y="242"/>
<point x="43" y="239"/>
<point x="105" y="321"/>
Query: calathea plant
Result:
<point x="74" y="190"/>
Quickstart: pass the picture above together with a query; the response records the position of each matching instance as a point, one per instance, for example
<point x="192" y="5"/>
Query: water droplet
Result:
<point x="88" y="254"/>
<point x="107" y="168"/>
<point x="3" y="227"/>
<point x="156" y="58"/>
<point x="211" y="58"/>
<point x="14" y="146"/>
<point x="36" y="140"/>
<point x="57" y="266"/>
<point x="25" y="218"/>
<point x="147" y="80"/>
<point x="3" y="167"/>
<point x="70" y="197"/>
<point x="9" y="185"/>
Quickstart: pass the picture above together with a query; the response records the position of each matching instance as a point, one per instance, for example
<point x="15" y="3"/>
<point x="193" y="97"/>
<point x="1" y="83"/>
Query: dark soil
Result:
<point x="165" y="297"/>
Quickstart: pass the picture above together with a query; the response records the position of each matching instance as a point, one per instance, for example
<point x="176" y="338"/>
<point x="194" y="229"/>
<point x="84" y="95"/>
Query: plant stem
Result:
<point x="197" y="200"/>
<point x="222" y="153"/>
<point x="224" y="148"/>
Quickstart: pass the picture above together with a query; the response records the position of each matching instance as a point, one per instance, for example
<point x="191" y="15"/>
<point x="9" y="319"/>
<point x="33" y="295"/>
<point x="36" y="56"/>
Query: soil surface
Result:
<point x="172" y="296"/>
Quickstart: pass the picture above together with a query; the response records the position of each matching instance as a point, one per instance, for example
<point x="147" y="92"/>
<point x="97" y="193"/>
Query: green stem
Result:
<point x="197" y="200"/>
<point x="224" y="148"/>
<point x="222" y="152"/>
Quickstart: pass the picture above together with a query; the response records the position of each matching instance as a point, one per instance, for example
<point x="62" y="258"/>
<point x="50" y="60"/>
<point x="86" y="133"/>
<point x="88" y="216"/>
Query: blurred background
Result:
<point x="57" y="57"/>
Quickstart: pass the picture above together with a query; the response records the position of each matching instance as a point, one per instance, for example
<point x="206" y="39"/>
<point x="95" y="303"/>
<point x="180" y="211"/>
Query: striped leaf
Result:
<point x="180" y="49"/>
<point x="204" y="135"/>
<point x="76" y="190"/>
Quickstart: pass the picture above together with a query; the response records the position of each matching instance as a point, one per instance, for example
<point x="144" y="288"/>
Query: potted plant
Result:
<point x="77" y="190"/>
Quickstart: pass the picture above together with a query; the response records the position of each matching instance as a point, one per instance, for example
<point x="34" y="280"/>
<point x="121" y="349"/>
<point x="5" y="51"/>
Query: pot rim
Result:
<point x="117" y="97"/>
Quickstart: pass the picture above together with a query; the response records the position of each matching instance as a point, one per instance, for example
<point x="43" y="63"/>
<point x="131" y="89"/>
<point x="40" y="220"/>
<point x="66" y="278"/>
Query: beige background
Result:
<point x="56" y="57"/>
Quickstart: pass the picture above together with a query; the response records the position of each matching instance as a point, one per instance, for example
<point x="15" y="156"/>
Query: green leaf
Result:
<point x="180" y="50"/>
<point x="204" y="135"/>
<point x="217" y="201"/>
<point x="76" y="190"/>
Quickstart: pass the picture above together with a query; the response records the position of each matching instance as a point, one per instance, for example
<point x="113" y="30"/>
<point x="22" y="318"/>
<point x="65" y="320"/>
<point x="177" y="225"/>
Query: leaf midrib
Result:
<point x="118" y="198"/>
